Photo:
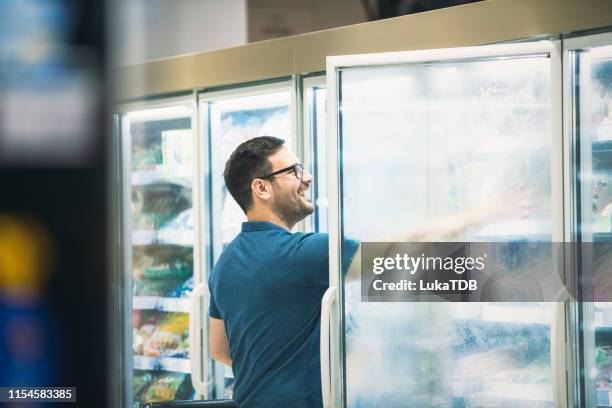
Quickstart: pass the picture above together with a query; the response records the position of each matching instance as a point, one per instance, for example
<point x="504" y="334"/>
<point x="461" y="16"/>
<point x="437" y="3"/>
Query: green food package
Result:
<point x="140" y="382"/>
<point x="175" y="270"/>
<point x="165" y="388"/>
<point x="155" y="287"/>
<point x="600" y="356"/>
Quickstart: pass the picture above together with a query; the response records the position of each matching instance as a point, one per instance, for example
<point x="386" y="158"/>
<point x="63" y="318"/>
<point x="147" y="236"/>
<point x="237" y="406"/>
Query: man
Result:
<point x="267" y="286"/>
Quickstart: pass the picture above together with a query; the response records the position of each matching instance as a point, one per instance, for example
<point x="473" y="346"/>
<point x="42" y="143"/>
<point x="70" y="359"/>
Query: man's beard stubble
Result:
<point x="290" y="207"/>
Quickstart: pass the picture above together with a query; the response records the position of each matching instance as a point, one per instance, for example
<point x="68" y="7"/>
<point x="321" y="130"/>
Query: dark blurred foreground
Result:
<point x="53" y="226"/>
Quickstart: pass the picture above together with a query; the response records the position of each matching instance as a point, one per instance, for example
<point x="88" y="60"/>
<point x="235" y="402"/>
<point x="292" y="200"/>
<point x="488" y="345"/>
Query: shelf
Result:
<point x="178" y="365"/>
<point x="162" y="304"/>
<point x="180" y="175"/>
<point x="505" y="390"/>
<point x="163" y="237"/>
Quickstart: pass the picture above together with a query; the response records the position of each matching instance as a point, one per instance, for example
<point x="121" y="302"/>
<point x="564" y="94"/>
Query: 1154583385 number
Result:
<point x="47" y="394"/>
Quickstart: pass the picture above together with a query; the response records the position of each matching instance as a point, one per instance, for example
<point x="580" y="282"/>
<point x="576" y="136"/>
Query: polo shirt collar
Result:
<point x="260" y="226"/>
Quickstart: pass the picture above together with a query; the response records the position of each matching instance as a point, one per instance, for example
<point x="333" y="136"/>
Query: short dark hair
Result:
<point x="246" y="163"/>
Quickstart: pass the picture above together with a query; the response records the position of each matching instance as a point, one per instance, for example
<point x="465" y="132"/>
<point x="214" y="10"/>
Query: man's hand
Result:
<point x="217" y="341"/>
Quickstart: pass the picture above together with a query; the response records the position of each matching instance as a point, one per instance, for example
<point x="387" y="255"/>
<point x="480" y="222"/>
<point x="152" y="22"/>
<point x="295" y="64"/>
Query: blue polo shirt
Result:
<point x="267" y="288"/>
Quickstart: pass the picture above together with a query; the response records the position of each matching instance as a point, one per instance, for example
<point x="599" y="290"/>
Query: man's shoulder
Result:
<point x="310" y="243"/>
<point x="311" y="238"/>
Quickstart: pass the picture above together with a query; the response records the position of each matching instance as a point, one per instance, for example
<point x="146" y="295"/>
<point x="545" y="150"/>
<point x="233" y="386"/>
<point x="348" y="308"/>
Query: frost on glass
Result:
<point x="595" y="183"/>
<point x="237" y="123"/>
<point x="423" y="144"/>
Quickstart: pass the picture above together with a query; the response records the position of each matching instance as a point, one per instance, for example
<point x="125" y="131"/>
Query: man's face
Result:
<point x="290" y="195"/>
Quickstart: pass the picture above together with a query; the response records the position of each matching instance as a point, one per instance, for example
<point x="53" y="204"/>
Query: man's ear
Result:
<point x="261" y="189"/>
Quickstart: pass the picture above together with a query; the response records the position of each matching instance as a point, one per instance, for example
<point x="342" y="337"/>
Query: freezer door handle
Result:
<point x="326" y="309"/>
<point x="199" y="362"/>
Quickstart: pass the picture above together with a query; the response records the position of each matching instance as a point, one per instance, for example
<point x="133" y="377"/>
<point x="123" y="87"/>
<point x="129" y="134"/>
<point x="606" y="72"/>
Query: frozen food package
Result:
<point x="146" y="158"/>
<point x="161" y="344"/>
<point x="167" y="387"/>
<point x="169" y="337"/>
<point x="183" y="221"/>
<point x="177" y="147"/>
<point x="185" y="289"/>
<point x="167" y="200"/>
<point x="140" y="261"/>
<point x="151" y="221"/>
<point x="141" y="336"/>
<point x="156" y="287"/>
<point x="136" y="318"/>
<point x="169" y="270"/>
<point x="141" y="380"/>
<point x="176" y="323"/>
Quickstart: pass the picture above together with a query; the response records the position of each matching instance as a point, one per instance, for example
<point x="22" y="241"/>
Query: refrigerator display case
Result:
<point x="589" y="116"/>
<point x="229" y="118"/>
<point x="417" y="138"/>
<point x="159" y="236"/>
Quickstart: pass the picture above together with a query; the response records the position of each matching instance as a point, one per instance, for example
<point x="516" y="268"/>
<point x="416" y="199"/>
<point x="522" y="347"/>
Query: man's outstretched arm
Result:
<point x="217" y="341"/>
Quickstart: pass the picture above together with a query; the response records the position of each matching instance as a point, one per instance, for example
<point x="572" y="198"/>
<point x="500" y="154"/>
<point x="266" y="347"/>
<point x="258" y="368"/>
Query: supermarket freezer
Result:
<point x="161" y="261"/>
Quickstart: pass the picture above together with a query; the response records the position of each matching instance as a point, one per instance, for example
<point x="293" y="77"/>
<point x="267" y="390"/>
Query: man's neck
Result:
<point x="254" y="216"/>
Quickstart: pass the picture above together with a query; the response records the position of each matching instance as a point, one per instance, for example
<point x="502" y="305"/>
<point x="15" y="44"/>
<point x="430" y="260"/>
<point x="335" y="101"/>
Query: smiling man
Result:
<point x="266" y="288"/>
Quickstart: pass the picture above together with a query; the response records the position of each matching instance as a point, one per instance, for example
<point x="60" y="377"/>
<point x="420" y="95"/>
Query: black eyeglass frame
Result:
<point x="293" y="167"/>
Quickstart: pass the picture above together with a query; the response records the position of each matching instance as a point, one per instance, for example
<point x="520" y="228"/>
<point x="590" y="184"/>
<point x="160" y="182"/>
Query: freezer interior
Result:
<point x="159" y="164"/>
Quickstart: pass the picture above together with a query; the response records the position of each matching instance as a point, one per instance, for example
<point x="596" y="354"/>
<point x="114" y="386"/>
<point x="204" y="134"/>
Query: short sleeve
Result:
<point x="213" y="310"/>
<point x="311" y="260"/>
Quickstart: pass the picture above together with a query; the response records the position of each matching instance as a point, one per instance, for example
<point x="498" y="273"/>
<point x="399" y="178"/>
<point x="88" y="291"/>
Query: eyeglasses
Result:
<point x="297" y="169"/>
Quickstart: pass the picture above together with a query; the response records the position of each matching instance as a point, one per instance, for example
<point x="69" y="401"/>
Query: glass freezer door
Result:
<point x="229" y="118"/>
<point x="443" y="145"/>
<point x="158" y="162"/>
<point x="314" y="104"/>
<point x="590" y="101"/>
